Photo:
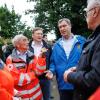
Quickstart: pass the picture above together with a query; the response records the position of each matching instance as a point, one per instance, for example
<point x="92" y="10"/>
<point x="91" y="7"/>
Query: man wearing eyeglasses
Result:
<point x="86" y="78"/>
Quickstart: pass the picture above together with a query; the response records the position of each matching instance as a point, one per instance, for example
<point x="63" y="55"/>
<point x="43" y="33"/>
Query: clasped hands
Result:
<point x="70" y="70"/>
<point x="49" y="74"/>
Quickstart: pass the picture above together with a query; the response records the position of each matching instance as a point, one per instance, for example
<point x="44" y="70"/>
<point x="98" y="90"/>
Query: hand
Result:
<point x="17" y="93"/>
<point x="66" y="74"/>
<point x="49" y="74"/>
<point x="73" y="69"/>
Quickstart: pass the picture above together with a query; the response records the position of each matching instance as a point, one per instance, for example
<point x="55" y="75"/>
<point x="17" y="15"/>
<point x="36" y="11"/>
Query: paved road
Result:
<point x="54" y="90"/>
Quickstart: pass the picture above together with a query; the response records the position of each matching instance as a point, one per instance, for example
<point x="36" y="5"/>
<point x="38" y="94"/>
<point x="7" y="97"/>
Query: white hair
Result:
<point x="16" y="39"/>
<point x="93" y="3"/>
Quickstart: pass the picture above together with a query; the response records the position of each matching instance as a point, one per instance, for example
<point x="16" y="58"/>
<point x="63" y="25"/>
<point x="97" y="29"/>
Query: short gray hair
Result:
<point x="93" y="3"/>
<point x="17" y="38"/>
<point x="65" y="19"/>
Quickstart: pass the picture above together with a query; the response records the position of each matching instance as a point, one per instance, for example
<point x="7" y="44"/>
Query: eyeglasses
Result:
<point x="87" y="11"/>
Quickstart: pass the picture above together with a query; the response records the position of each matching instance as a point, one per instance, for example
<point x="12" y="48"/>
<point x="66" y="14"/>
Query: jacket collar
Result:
<point x="15" y="55"/>
<point x="33" y="43"/>
<point x="43" y="42"/>
<point x="71" y="36"/>
<point x="74" y="36"/>
<point x="95" y="33"/>
<point x="92" y="36"/>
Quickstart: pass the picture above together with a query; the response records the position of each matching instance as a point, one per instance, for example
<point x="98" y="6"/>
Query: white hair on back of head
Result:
<point x="93" y="3"/>
<point x="16" y="39"/>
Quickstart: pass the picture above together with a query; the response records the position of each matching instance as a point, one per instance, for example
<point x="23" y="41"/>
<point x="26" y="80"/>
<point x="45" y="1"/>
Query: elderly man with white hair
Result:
<point x="23" y="68"/>
<point x="86" y="78"/>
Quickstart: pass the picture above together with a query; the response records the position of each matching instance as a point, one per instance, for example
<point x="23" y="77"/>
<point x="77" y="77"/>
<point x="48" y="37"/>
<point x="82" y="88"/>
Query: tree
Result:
<point x="10" y="23"/>
<point x="50" y="11"/>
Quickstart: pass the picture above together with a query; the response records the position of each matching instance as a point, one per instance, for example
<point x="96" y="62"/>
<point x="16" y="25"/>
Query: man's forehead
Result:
<point x="63" y="22"/>
<point x="38" y="31"/>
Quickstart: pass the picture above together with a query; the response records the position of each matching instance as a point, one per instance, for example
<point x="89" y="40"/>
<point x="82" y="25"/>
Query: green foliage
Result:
<point x="1" y="42"/>
<point x="28" y="32"/>
<point x="50" y="11"/>
<point x="4" y="41"/>
<point x="10" y="23"/>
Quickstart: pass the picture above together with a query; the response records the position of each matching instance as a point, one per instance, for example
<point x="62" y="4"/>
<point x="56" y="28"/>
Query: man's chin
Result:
<point x="90" y="28"/>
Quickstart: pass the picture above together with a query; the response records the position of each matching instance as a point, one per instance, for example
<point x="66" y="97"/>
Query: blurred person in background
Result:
<point x="45" y="38"/>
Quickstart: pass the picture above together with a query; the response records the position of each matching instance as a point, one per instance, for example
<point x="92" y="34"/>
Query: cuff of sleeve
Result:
<point x="52" y="71"/>
<point x="76" y="78"/>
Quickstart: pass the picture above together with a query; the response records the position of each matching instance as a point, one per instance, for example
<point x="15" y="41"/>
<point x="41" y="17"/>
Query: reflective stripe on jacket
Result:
<point x="40" y="65"/>
<point x="24" y="77"/>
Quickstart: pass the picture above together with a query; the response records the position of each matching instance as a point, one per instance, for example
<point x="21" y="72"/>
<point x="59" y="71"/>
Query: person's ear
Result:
<point x="96" y="12"/>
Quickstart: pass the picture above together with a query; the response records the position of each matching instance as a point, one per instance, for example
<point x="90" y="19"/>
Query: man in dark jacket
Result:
<point x="37" y="45"/>
<point x="86" y="78"/>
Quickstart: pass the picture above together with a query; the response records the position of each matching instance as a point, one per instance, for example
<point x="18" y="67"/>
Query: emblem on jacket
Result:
<point x="78" y="46"/>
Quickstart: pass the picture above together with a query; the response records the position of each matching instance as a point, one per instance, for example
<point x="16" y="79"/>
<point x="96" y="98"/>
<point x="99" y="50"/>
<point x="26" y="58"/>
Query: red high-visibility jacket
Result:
<point x="96" y="95"/>
<point x="39" y="65"/>
<point x="25" y="79"/>
<point x="6" y="85"/>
